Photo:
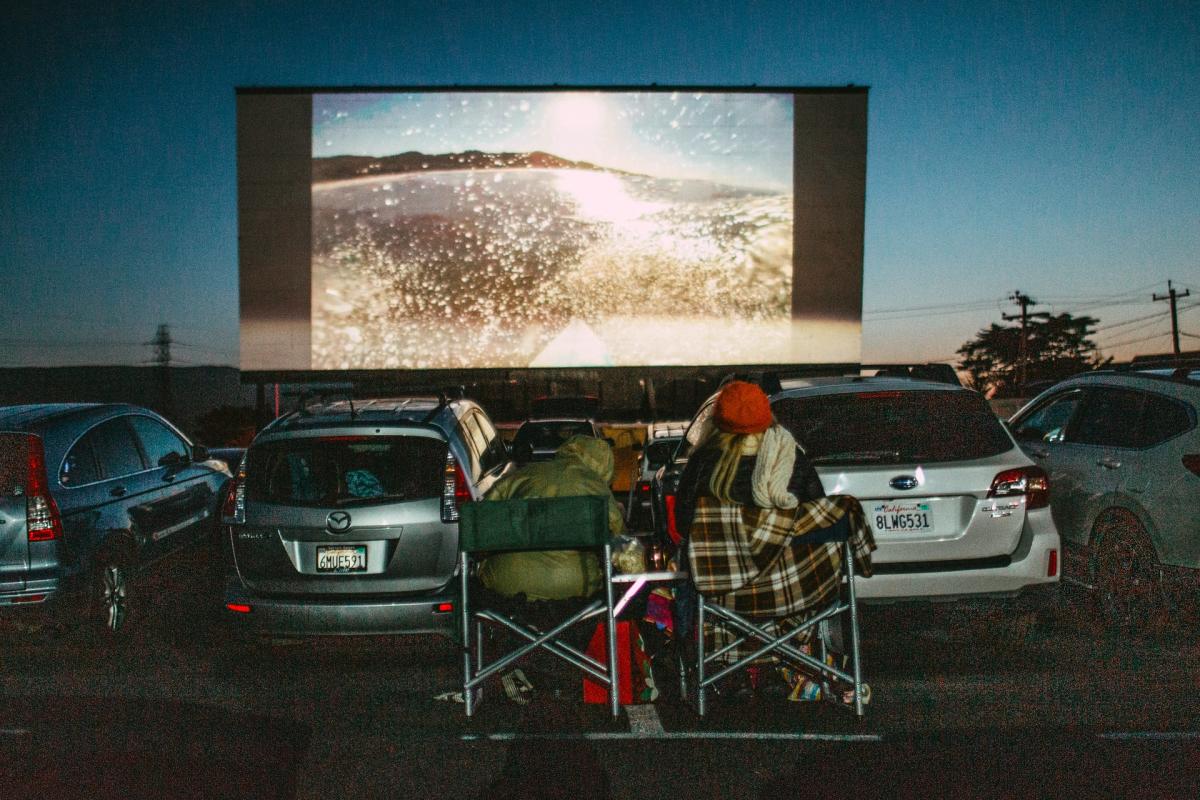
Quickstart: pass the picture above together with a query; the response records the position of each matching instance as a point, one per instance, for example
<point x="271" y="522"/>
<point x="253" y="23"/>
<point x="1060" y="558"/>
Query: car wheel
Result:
<point x="111" y="595"/>
<point x="1131" y="599"/>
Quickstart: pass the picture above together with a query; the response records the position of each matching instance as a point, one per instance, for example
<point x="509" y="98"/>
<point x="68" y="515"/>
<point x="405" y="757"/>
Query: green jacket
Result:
<point x="583" y="465"/>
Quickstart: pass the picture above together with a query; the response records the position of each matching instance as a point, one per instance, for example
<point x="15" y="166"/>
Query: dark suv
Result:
<point x="88" y="495"/>
<point x="344" y="516"/>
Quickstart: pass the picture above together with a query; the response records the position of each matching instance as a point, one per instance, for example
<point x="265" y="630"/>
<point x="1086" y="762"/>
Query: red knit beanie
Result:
<point x="742" y="408"/>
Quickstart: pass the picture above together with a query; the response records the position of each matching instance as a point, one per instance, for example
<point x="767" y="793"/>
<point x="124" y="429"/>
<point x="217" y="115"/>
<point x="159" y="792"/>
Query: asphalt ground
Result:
<point x="961" y="707"/>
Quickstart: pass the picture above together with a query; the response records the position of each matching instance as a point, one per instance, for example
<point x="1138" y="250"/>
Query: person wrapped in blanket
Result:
<point x="746" y="503"/>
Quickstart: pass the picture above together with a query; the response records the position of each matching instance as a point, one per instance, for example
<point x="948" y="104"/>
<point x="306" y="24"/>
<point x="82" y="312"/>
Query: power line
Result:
<point x="1123" y="323"/>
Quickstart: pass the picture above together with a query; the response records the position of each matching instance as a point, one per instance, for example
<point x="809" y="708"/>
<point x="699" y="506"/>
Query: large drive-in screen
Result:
<point x="549" y="228"/>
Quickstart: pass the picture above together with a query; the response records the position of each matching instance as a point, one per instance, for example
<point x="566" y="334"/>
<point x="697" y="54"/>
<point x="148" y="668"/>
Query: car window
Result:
<point x="1048" y="422"/>
<point x="159" y="442"/>
<point x="549" y="435"/>
<point x="691" y="437"/>
<point x="116" y="449"/>
<point x="1107" y="417"/>
<point x="893" y="426"/>
<point x="473" y="438"/>
<point x="79" y="467"/>
<point x="345" y="470"/>
<point x="1162" y="419"/>
<point x="494" y="453"/>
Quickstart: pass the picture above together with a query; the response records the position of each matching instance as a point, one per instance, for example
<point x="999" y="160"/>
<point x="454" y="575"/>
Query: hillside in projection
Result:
<point x="552" y="229"/>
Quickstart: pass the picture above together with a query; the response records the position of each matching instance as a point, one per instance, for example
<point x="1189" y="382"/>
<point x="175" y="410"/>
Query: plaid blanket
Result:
<point x="761" y="562"/>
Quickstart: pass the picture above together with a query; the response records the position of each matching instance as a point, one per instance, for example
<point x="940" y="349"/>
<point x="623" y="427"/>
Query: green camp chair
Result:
<point x="556" y="523"/>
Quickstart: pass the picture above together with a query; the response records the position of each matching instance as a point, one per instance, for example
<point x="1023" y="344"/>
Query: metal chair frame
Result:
<point x="476" y="668"/>
<point x="845" y="603"/>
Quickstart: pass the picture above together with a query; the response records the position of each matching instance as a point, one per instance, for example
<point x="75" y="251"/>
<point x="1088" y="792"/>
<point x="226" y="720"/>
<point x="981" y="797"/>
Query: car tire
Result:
<point x="111" y="608"/>
<point x="1131" y="598"/>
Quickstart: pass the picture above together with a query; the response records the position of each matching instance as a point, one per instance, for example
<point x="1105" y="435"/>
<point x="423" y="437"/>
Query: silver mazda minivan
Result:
<point x="343" y="517"/>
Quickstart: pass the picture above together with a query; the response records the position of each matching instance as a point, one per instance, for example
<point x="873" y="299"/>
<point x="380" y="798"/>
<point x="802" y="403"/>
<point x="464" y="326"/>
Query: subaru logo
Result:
<point x="338" y="522"/>
<point x="902" y="482"/>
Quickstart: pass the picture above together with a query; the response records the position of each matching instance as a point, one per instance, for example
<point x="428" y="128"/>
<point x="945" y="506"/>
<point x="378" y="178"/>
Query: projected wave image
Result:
<point x="652" y="236"/>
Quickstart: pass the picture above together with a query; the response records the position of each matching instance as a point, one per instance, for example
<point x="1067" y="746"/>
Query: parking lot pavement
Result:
<point x="183" y="710"/>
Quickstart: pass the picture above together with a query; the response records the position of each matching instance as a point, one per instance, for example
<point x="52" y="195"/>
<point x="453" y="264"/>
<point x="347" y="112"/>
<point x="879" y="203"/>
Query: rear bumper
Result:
<point x="45" y="592"/>
<point x="302" y="616"/>
<point x="1019" y="580"/>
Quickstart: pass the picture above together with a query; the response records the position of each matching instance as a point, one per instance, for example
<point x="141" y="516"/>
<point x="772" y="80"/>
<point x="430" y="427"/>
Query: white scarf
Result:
<point x="773" y="469"/>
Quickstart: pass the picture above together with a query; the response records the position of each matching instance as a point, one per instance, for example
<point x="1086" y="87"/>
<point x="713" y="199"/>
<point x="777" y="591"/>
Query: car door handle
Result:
<point x="117" y="491"/>
<point x="1108" y="463"/>
<point x="169" y="477"/>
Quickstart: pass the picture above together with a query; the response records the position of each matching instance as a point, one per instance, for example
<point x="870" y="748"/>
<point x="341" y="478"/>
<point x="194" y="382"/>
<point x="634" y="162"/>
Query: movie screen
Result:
<point x="555" y="229"/>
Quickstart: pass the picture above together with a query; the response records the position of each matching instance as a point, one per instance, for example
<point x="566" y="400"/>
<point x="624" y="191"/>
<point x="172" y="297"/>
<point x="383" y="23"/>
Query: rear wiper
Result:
<point x="860" y="457"/>
<point x="375" y="498"/>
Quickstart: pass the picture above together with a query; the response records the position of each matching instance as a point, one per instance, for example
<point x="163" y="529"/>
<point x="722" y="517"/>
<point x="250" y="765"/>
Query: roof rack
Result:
<point x="771" y="380"/>
<point x="350" y="392"/>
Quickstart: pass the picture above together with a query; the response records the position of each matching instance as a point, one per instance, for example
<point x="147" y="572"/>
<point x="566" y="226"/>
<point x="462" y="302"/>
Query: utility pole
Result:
<point x="162" y="359"/>
<point x="1173" y="295"/>
<point x="1024" y="301"/>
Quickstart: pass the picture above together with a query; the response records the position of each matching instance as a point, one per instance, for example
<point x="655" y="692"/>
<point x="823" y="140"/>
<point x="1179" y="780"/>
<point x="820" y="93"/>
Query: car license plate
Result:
<point x="902" y="517"/>
<point x="342" y="559"/>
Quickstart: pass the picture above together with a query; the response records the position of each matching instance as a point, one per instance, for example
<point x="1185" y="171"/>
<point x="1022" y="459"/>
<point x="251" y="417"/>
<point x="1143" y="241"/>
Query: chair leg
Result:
<point x="465" y="611"/>
<point x="610" y="619"/>
<point x="700" y="654"/>
<point x="854" y="642"/>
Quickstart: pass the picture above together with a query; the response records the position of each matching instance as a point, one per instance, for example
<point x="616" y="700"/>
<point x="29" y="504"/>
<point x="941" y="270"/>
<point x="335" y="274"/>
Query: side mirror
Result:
<point x="611" y="441"/>
<point x="199" y="453"/>
<point x="171" y="460"/>
<point x="523" y="453"/>
<point x="637" y="446"/>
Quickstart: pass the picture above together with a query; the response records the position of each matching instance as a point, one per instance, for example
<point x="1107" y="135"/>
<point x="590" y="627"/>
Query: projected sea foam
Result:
<point x="517" y="267"/>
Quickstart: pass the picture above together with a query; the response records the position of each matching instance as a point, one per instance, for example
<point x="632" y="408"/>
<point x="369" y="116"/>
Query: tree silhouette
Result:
<point x="1057" y="347"/>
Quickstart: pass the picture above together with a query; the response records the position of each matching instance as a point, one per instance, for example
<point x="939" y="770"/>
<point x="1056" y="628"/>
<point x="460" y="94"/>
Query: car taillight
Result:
<point x="455" y="489"/>
<point x="233" y="510"/>
<point x="42" y="522"/>
<point x="1192" y="463"/>
<point x="1052" y="564"/>
<point x="672" y="531"/>
<point x="1029" y="481"/>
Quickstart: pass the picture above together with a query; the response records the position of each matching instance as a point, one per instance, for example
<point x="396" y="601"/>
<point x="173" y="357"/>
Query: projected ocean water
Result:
<point x="487" y="268"/>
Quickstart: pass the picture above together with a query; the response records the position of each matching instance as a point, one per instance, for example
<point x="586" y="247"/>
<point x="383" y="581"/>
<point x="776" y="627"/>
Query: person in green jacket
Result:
<point x="582" y="465"/>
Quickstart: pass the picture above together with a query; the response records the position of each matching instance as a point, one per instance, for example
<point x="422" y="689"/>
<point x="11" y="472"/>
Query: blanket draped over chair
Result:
<point x="764" y="562"/>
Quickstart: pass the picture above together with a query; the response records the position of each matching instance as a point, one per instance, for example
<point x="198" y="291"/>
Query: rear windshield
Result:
<point x="346" y="470"/>
<point x="549" y="435"/>
<point x="893" y="427"/>
<point x="659" y="452"/>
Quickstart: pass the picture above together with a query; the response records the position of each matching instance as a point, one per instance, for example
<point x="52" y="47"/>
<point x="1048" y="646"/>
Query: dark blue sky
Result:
<point x="1047" y="147"/>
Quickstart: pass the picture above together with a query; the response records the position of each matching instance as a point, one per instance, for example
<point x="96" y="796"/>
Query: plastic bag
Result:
<point x="628" y="554"/>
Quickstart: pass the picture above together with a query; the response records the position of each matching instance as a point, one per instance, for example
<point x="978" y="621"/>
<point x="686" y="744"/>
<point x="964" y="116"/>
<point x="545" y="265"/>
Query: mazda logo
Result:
<point x="338" y="522"/>
<point x="902" y="482"/>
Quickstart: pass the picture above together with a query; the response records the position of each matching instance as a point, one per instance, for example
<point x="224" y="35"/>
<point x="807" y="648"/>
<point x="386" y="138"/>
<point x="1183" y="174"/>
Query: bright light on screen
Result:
<point x="554" y="229"/>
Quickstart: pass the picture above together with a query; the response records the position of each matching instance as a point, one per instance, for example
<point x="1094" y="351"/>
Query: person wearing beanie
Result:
<point x="743" y="456"/>
<point x="745" y="505"/>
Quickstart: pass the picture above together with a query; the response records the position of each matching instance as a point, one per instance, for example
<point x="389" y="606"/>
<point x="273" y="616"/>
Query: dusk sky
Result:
<point x="1051" y="148"/>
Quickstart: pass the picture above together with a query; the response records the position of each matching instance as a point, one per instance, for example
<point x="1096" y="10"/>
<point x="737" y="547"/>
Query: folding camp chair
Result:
<point x="557" y="523"/>
<point x="744" y="629"/>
